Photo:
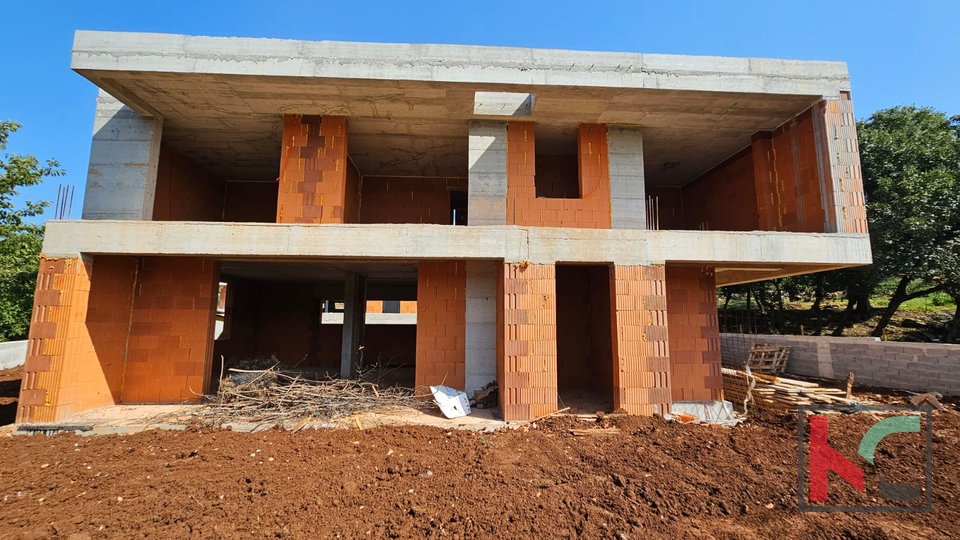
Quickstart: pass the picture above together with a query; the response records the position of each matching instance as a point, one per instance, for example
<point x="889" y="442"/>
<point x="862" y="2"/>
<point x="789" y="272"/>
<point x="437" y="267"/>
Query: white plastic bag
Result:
<point x="452" y="402"/>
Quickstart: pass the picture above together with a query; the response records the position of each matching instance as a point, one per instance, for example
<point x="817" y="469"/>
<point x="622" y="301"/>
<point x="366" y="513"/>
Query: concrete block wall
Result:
<point x="527" y="340"/>
<point x="124" y="154"/>
<point x="487" y="176"/>
<point x="481" y="321"/>
<point x="694" y="334"/>
<point x="171" y="331"/>
<point x="313" y="170"/>
<point x="13" y="353"/>
<point x="441" y="309"/>
<point x="590" y="210"/>
<point x="628" y="200"/>
<point x="641" y="345"/>
<point x="919" y="367"/>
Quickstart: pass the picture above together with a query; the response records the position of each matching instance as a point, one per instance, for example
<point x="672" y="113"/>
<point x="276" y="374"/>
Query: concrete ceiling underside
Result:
<point x="231" y="124"/>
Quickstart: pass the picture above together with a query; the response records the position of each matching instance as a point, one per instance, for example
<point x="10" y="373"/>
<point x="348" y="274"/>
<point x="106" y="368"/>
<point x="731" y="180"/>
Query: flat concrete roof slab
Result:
<point x="409" y="104"/>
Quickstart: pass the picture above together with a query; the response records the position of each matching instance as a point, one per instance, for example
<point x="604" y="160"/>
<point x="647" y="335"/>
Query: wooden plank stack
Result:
<point x="772" y="392"/>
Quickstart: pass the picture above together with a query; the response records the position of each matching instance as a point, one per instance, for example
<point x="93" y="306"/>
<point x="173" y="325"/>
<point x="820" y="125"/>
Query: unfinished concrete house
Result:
<point x="555" y="221"/>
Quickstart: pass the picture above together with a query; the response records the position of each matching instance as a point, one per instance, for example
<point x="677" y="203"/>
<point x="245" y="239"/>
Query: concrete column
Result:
<point x="354" y="316"/>
<point x="481" y="320"/>
<point x="122" y="175"/>
<point x="487" y="176"/>
<point x="628" y="199"/>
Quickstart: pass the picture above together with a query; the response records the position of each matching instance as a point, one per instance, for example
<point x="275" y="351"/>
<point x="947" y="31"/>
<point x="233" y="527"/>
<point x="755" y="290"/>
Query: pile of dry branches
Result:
<point x="276" y="396"/>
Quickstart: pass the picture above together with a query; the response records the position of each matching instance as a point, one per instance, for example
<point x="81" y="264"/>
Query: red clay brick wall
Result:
<point x="313" y="170"/>
<point x="171" y="330"/>
<point x="842" y="162"/>
<point x="668" y="201"/>
<point x="186" y="191"/>
<point x="723" y="199"/>
<point x="694" y="334"/>
<point x="591" y="210"/>
<point x="557" y="177"/>
<point x="250" y="202"/>
<point x="441" y="323"/>
<point x="641" y="350"/>
<point x="527" y="341"/>
<point x="75" y="350"/>
<point x="385" y="199"/>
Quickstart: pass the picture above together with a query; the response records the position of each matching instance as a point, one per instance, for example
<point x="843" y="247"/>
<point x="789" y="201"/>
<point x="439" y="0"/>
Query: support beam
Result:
<point x="122" y="175"/>
<point x="354" y="316"/>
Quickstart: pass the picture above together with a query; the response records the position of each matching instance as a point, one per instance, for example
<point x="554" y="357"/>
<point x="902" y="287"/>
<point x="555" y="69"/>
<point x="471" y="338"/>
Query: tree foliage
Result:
<point x="19" y="238"/>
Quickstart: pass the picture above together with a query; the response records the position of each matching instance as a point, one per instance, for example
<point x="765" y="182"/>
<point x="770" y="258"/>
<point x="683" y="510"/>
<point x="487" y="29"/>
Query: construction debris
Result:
<point x="931" y="399"/>
<point x="276" y="396"/>
<point x="486" y="397"/>
<point x="771" y="392"/>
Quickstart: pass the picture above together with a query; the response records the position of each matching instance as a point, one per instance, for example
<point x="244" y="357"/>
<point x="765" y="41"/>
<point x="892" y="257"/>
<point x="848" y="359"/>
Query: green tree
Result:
<point x="19" y="239"/>
<point x="911" y="169"/>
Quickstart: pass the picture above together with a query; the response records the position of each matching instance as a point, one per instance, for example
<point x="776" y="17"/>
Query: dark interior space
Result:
<point x="293" y="313"/>
<point x="557" y="171"/>
<point x="584" y="339"/>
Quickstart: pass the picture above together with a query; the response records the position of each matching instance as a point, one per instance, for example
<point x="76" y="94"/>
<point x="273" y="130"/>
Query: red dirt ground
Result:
<point x="653" y="479"/>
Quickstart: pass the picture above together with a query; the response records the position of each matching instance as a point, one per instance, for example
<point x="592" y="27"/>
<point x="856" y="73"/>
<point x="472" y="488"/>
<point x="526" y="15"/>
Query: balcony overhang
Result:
<point x="738" y="256"/>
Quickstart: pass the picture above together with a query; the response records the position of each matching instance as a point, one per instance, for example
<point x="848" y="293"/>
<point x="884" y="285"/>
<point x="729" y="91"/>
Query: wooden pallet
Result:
<point x="766" y="358"/>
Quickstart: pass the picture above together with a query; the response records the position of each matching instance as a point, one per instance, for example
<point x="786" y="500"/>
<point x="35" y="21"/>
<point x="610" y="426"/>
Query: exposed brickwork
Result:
<point x="591" y="210"/>
<point x="386" y="199"/>
<point x="694" y="334"/>
<point x="642" y="370"/>
<point x="171" y="330"/>
<point x="441" y="323"/>
<point x="723" y="199"/>
<point x="250" y="202"/>
<point x="841" y="159"/>
<point x="527" y="341"/>
<point x="313" y="170"/>
<point x="77" y="337"/>
<point x="186" y="191"/>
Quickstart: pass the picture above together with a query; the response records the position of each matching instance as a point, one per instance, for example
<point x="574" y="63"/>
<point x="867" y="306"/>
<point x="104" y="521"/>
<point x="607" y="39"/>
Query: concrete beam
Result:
<point x="628" y="199"/>
<point x="96" y="53"/>
<point x="503" y="103"/>
<point x="409" y="242"/>
<point x="487" y="177"/>
<point x="122" y="175"/>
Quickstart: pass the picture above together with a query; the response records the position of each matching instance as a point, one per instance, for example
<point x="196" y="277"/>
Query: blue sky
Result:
<point x="897" y="52"/>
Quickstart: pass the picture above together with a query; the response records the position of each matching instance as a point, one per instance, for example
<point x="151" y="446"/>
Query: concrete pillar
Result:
<point x="481" y="320"/>
<point x="354" y="316"/>
<point x="122" y="175"/>
<point x="487" y="176"/>
<point x="628" y="200"/>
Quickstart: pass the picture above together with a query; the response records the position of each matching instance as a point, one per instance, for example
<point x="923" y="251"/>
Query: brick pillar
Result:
<point x="594" y="172"/>
<point x="694" y="334"/>
<point x="527" y="341"/>
<point x="521" y="173"/>
<point x="441" y="328"/>
<point x="642" y="371"/>
<point x="313" y="170"/>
